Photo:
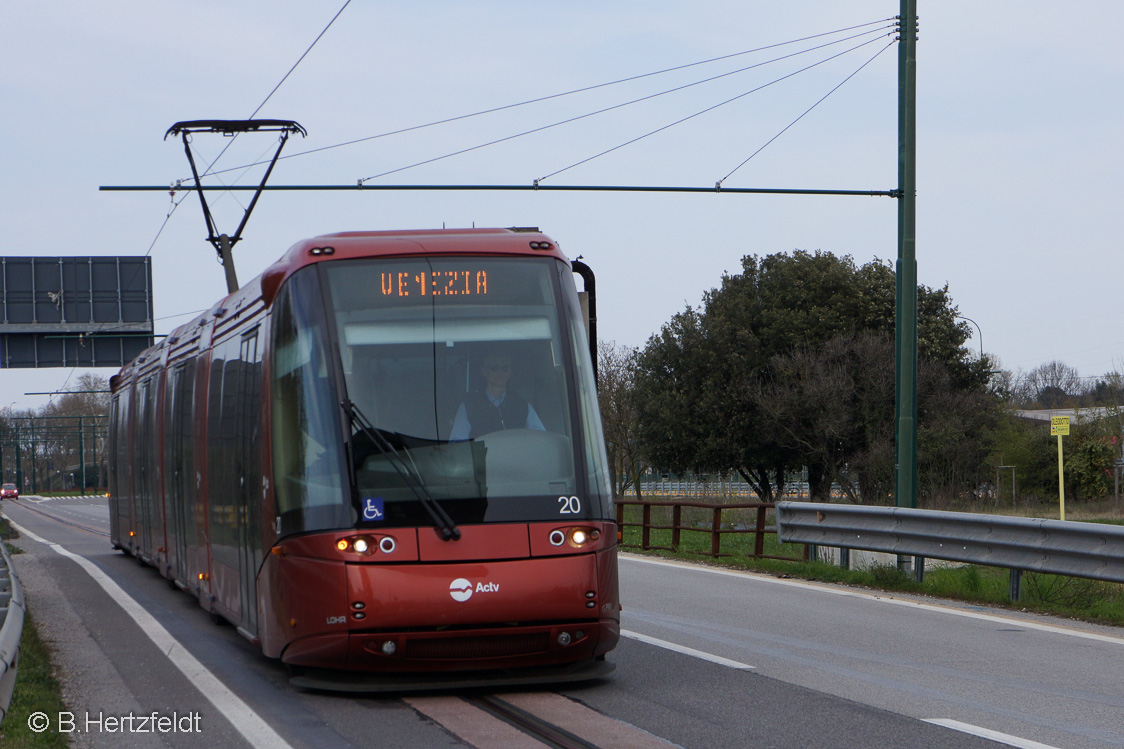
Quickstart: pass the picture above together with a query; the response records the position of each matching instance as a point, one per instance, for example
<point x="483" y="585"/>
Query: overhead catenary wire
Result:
<point x="718" y="185"/>
<point x="636" y="101"/>
<point x="172" y="209"/>
<point x="300" y="60"/>
<point x="802" y="114"/>
<point x="584" y="89"/>
<point x="881" y="24"/>
<point x="284" y="78"/>
<point x="711" y="109"/>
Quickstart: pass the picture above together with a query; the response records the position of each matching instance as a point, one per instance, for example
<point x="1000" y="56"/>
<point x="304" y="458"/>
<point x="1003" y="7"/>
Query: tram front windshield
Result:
<point x="468" y="383"/>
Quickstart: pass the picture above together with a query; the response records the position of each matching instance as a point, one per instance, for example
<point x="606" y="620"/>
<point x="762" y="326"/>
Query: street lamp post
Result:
<point x="978" y="329"/>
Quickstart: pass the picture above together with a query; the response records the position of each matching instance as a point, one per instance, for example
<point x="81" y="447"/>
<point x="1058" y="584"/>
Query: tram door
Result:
<point x="234" y="476"/>
<point x="223" y="467"/>
<point x="250" y="488"/>
<point x="179" y="495"/>
<point x="144" y="451"/>
<point x="120" y="470"/>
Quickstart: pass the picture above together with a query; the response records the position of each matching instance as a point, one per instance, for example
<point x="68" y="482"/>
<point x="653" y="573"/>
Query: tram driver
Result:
<point x="494" y="407"/>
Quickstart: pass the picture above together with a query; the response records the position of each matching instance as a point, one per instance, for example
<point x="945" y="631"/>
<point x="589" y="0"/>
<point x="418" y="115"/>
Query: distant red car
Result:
<point x="9" y="491"/>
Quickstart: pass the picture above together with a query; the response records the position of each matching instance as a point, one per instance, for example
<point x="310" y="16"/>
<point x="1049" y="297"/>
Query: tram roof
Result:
<point x="359" y="244"/>
<point x="426" y="242"/>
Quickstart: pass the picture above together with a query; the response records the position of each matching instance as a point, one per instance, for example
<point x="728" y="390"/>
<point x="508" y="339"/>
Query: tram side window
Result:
<point x="178" y="433"/>
<point x="179" y="452"/>
<point x="145" y="450"/>
<point x="146" y="460"/>
<point x="249" y="399"/>
<point x="307" y="438"/>
<point x="120" y="473"/>
<point x="221" y="440"/>
<point x="112" y="457"/>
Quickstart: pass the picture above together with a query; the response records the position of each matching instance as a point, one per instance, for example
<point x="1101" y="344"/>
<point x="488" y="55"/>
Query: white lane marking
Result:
<point x="241" y="716"/>
<point x="686" y="650"/>
<point x="987" y="733"/>
<point x="763" y="578"/>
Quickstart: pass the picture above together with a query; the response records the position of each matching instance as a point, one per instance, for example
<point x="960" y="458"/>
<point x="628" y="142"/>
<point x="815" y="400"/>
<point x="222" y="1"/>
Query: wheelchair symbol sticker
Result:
<point x="373" y="509"/>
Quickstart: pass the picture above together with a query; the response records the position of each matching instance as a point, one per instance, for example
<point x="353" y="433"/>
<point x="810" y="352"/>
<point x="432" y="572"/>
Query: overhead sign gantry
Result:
<point x="74" y="311"/>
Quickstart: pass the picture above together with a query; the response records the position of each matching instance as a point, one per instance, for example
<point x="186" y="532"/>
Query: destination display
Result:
<point x="437" y="283"/>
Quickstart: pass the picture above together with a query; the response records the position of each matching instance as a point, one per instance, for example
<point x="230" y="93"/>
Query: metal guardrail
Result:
<point x="1090" y="550"/>
<point x="12" y="610"/>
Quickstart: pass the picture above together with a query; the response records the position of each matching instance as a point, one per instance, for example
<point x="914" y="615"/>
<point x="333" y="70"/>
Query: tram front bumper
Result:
<point x="467" y="615"/>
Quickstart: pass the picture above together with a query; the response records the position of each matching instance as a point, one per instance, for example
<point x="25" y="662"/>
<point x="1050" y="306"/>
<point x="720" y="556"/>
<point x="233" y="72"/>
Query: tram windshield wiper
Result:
<point x="406" y="470"/>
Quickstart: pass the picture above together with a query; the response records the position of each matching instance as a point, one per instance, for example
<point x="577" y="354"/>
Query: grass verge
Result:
<point x="37" y="689"/>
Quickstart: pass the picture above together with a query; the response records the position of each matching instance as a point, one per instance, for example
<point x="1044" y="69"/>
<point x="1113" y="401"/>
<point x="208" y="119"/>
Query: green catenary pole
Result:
<point x="81" y="459"/>
<point x="905" y="484"/>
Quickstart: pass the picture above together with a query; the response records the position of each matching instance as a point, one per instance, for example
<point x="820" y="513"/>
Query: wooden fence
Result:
<point x="715" y="528"/>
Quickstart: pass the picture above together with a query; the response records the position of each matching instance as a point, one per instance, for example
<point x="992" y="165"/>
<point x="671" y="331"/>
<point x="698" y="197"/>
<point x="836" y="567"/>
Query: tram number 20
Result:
<point x="569" y="505"/>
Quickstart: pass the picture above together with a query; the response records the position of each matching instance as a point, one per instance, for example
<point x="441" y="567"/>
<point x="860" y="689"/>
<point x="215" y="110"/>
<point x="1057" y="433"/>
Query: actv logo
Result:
<point x="461" y="590"/>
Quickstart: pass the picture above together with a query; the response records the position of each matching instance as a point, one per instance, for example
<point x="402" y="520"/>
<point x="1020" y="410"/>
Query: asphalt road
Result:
<point x="1056" y="682"/>
<point x="723" y="660"/>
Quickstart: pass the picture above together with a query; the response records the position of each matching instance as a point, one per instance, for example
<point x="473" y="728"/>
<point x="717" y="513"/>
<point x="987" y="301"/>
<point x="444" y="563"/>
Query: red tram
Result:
<point x="382" y="461"/>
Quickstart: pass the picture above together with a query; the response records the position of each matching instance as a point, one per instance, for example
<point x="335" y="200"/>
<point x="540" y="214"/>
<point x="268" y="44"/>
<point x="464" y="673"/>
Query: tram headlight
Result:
<point x="367" y="545"/>
<point x="354" y="544"/>
<point x="576" y="537"/>
<point x="579" y="537"/>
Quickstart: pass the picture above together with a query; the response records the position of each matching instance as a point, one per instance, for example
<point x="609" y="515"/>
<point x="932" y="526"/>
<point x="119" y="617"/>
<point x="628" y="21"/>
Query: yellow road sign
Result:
<point x="1059" y="426"/>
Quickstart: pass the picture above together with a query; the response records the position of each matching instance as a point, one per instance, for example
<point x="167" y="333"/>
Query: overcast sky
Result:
<point x="1020" y="179"/>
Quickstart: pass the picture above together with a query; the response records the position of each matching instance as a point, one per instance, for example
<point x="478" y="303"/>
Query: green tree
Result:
<point x="832" y="404"/>
<point x="616" y="396"/>
<point x="1090" y="456"/>
<point x="695" y="385"/>
<point x="789" y="364"/>
<point x="1027" y="445"/>
<point x="954" y="433"/>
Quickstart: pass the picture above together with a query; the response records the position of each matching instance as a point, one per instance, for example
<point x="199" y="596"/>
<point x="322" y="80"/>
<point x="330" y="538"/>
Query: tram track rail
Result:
<point x="534" y="726"/>
<point x="529" y="718"/>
